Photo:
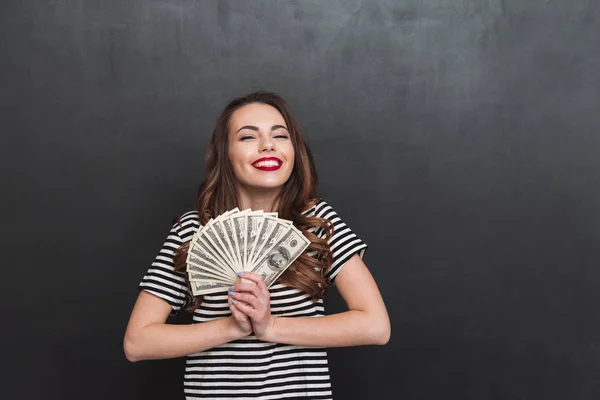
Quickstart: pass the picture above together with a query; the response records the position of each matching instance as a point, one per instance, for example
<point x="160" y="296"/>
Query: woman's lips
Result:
<point x="267" y="164"/>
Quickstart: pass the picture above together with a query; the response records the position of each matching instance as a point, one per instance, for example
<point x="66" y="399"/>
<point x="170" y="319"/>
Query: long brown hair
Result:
<point x="218" y="193"/>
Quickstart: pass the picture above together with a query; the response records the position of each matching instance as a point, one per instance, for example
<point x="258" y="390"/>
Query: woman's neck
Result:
<point x="258" y="199"/>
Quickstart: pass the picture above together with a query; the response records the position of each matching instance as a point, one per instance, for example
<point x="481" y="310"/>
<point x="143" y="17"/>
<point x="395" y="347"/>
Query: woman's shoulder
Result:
<point x="319" y="208"/>
<point x="186" y="224"/>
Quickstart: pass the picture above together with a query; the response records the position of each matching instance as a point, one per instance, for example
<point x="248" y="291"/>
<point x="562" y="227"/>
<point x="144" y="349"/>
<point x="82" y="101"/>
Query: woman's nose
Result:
<point x="267" y="145"/>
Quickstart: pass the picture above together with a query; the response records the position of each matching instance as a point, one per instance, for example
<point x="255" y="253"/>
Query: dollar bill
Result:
<point x="277" y="231"/>
<point x="239" y="233"/>
<point x="223" y="243"/>
<point x="213" y="243"/>
<point x="254" y="221"/>
<point x="199" y="257"/>
<point x="281" y="255"/>
<point x="204" y="287"/>
<point x="197" y="249"/>
<point x="201" y="247"/>
<point x="228" y="236"/>
<point x="202" y="243"/>
<point x="200" y="264"/>
<point x="195" y="276"/>
<point x="266" y="227"/>
<point x="220" y="247"/>
<point x="241" y="240"/>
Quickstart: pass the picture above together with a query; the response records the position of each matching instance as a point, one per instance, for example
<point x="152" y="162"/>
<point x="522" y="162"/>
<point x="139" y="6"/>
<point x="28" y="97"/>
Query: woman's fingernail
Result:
<point x="232" y="293"/>
<point x="231" y="287"/>
<point x="240" y="273"/>
<point x="233" y="301"/>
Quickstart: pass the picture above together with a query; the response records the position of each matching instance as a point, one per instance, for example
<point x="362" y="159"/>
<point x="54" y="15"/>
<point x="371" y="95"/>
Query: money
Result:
<point x="280" y="255"/>
<point x="201" y="265"/>
<point x="254" y="223"/>
<point x="239" y="230"/>
<point x="265" y="230"/>
<point x="203" y="287"/>
<point x="241" y="241"/>
<point x="274" y="234"/>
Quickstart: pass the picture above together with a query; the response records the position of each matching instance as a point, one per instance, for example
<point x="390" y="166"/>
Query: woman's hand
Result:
<point x="251" y="297"/>
<point x="240" y="322"/>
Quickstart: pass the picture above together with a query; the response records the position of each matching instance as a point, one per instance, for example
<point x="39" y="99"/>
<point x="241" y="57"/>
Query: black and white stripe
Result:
<point x="249" y="368"/>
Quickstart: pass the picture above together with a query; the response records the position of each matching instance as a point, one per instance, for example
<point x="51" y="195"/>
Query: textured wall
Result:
<point x="460" y="139"/>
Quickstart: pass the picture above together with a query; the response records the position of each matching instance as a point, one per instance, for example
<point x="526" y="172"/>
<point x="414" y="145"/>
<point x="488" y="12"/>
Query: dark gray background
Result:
<point x="460" y="139"/>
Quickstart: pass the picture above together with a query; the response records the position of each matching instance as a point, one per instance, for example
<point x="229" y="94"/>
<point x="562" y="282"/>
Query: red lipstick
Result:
<point x="267" y="164"/>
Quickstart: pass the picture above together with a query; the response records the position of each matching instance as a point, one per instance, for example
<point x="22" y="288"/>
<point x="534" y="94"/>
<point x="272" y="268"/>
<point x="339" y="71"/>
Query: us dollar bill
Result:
<point x="223" y="242"/>
<point x="195" y="277"/>
<point x="229" y="236"/>
<point x="248" y="240"/>
<point x="206" y="249"/>
<point x="198" y="257"/>
<point x="198" y="264"/>
<point x="280" y="228"/>
<point x="205" y="287"/>
<point x="212" y="242"/>
<point x="254" y="222"/>
<point x="280" y="256"/>
<point x="265" y="230"/>
<point x="239" y="231"/>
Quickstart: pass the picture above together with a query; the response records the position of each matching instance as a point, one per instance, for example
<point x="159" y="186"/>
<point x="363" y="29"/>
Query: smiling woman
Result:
<point x="252" y="342"/>
<point x="260" y="149"/>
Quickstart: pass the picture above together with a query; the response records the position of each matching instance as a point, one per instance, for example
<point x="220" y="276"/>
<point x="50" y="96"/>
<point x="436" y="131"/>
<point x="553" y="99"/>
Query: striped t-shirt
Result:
<point x="250" y="368"/>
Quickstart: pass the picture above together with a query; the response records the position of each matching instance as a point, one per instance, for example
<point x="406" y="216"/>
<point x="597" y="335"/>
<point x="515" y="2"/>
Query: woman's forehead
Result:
<point x="257" y="114"/>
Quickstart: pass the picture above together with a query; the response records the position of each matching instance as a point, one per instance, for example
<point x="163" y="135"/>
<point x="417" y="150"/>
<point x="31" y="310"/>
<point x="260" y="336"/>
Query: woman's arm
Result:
<point x="365" y="322"/>
<point x="148" y="337"/>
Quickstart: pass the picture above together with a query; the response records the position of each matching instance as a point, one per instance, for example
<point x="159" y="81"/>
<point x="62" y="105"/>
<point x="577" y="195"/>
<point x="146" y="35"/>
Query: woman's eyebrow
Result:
<point x="255" y="128"/>
<point x="251" y="127"/>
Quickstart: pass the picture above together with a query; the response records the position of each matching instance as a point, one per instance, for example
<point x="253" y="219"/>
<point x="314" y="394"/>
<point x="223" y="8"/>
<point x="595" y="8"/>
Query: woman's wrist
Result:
<point x="270" y="333"/>
<point x="234" y="331"/>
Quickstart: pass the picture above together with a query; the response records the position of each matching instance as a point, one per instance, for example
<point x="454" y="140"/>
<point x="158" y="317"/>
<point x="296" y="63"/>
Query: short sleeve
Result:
<point x="344" y="243"/>
<point x="162" y="280"/>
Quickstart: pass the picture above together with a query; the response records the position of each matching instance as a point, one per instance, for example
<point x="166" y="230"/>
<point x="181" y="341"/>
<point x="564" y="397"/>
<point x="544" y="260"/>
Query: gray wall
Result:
<point x="460" y="139"/>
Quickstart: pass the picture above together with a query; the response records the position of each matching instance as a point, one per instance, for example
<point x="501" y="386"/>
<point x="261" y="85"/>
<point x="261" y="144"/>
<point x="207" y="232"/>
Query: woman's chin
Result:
<point x="270" y="188"/>
<point x="265" y="186"/>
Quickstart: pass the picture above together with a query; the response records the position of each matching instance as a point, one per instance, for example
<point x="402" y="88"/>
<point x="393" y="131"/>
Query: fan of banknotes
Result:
<point x="237" y="241"/>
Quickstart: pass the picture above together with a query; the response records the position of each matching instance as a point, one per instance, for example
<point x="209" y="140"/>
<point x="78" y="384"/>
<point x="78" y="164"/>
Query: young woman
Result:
<point x="252" y="342"/>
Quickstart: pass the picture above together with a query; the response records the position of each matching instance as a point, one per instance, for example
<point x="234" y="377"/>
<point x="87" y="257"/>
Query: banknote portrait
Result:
<point x="278" y="258"/>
